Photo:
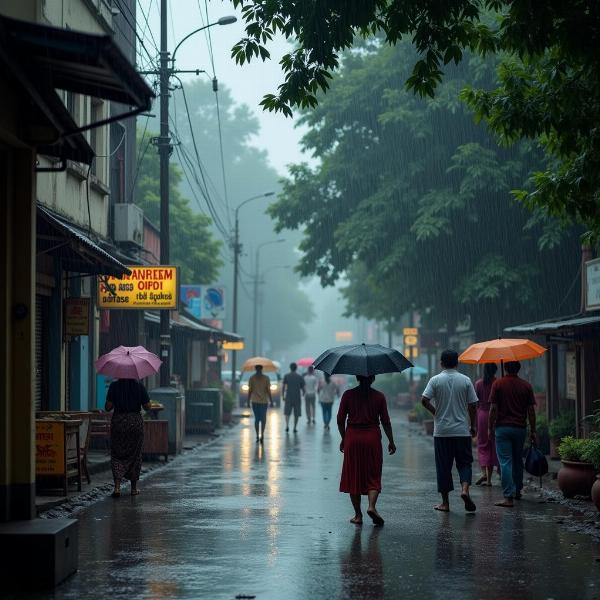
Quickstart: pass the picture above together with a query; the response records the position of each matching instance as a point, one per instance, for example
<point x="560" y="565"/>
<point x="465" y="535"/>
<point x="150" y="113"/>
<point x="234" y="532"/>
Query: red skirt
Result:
<point x="363" y="461"/>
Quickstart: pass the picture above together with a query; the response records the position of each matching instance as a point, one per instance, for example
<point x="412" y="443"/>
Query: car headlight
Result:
<point x="245" y="387"/>
<point x="273" y="387"/>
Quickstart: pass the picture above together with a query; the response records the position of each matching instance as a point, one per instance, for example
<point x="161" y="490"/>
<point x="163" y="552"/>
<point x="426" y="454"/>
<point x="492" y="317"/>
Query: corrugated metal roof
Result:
<point x="97" y="259"/>
<point x="554" y="326"/>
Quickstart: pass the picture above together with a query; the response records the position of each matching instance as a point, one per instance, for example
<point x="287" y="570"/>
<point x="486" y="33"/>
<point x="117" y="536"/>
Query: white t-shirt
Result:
<point x="451" y="392"/>
<point x="310" y="384"/>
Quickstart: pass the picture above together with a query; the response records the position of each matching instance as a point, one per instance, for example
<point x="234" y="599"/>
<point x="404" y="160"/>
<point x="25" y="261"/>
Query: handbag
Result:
<point x="535" y="462"/>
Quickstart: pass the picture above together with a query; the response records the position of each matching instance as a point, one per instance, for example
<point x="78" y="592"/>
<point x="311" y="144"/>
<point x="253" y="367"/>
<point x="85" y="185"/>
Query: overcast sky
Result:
<point x="248" y="83"/>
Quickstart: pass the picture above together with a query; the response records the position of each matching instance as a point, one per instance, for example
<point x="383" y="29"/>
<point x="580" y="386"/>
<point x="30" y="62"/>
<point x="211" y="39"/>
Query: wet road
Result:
<point x="235" y="519"/>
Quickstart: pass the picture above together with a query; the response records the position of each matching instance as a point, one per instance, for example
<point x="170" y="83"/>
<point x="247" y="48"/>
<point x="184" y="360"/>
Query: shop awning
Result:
<point x="555" y="326"/>
<point x="194" y="326"/>
<point x="77" y="251"/>
<point x="44" y="59"/>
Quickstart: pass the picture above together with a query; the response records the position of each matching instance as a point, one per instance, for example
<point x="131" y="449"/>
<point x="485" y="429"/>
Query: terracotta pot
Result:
<point x="412" y="418"/>
<point x="226" y="417"/>
<point x="428" y="426"/>
<point x="596" y="492"/>
<point x="576" y="478"/>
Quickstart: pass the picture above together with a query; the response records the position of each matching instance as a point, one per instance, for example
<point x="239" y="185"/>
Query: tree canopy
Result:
<point x="193" y="247"/>
<point x="548" y="88"/>
<point x="411" y="202"/>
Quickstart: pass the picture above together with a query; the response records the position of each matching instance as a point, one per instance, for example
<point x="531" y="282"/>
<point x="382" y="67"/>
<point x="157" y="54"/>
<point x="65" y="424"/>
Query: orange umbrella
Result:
<point x="501" y="350"/>
<point x="267" y="364"/>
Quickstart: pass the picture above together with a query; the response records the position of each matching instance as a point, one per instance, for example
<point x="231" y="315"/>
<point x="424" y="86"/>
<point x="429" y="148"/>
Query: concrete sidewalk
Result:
<point x="57" y="505"/>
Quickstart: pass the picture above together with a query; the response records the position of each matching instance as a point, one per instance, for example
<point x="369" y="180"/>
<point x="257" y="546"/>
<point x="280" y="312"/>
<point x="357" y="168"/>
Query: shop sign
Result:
<point x="49" y="448"/>
<point x="343" y="336"/>
<point x="145" y="288"/>
<point x="77" y="316"/>
<point x="410" y="331"/>
<point x="204" y="302"/>
<point x="233" y="345"/>
<point x="571" y="375"/>
<point x="592" y="280"/>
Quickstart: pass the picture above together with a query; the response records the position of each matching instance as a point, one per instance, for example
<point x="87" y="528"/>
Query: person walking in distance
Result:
<point x="259" y="395"/>
<point x="486" y="446"/>
<point x="311" y="384"/>
<point x="512" y="403"/>
<point x="327" y="396"/>
<point x="450" y="397"/>
<point x="292" y="390"/>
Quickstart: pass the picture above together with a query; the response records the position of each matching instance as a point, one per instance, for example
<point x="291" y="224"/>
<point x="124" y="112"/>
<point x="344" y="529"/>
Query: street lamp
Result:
<point x="228" y="20"/>
<point x="164" y="152"/>
<point x="256" y="276"/>
<point x="260" y="312"/>
<point x="237" y="249"/>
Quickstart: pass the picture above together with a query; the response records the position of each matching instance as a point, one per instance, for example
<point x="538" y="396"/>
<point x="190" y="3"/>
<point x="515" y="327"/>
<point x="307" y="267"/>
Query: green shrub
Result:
<point x="574" y="449"/>
<point x="562" y="425"/>
<point x="591" y="451"/>
<point x="228" y="400"/>
<point x="391" y="384"/>
<point x="422" y="413"/>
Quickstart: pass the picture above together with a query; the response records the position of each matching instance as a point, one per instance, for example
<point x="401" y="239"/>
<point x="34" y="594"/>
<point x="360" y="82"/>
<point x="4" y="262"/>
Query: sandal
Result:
<point x="116" y="494"/>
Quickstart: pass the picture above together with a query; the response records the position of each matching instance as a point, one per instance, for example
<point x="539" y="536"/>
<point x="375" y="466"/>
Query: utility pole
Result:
<point x="164" y="151"/>
<point x="236" y="261"/>
<point x="255" y="299"/>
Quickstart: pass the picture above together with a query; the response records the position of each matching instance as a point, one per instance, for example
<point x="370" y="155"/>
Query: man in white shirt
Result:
<point x="450" y="397"/>
<point x="311" y="383"/>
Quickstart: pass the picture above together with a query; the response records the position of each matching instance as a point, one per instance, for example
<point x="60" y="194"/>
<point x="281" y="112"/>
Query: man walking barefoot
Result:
<point x="512" y="403"/>
<point x="450" y="397"/>
<point x="293" y="386"/>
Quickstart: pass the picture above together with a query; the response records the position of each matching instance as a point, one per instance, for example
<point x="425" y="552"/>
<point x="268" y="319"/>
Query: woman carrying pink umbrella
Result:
<point x="126" y="397"/>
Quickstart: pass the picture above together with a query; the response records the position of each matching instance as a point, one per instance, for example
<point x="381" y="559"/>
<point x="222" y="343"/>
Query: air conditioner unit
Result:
<point x="129" y="224"/>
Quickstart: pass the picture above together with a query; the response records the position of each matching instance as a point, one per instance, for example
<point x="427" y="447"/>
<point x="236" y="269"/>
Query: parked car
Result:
<point x="276" y="385"/>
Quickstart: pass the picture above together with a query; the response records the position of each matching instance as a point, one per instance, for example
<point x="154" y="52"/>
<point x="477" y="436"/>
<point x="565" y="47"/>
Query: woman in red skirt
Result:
<point x="361" y="410"/>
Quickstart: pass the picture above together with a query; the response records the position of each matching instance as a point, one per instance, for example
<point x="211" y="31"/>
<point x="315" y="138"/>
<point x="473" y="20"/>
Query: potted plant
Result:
<point x="561" y="426"/>
<point x="412" y="416"/>
<point x="228" y="404"/>
<point x="592" y="454"/>
<point x="577" y="474"/>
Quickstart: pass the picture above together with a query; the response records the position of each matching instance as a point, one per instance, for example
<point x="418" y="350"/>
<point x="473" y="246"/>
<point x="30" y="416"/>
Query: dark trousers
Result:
<point x="447" y="451"/>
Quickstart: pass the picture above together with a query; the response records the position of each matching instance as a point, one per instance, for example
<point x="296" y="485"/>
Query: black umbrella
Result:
<point x="362" y="359"/>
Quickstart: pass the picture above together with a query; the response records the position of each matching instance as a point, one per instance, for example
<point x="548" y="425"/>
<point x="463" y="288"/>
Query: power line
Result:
<point x="147" y="24"/>
<point x="134" y="29"/>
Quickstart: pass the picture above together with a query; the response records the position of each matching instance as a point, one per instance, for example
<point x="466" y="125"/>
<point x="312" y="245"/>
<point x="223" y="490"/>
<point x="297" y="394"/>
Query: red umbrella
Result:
<point x="128" y="362"/>
<point x="305" y="362"/>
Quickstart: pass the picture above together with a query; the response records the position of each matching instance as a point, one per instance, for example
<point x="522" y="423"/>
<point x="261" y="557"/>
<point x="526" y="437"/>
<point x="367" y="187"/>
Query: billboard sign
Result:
<point x="592" y="280"/>
<point x="204" y="301"/>
<point x="145" y="288"/>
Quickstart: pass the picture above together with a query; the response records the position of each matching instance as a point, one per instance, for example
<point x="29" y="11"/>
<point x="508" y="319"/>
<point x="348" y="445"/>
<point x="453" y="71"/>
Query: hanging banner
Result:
<point x="49" y="448"/>
<point x="146" y="288"/>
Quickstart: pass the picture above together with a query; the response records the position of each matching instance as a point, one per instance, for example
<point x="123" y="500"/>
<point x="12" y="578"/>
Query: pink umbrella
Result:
<point x="305" y="362"/>
<point x="128" y="362"/>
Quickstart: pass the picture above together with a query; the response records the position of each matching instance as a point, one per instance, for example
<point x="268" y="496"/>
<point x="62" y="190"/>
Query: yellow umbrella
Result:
<point x="501" y="350"/>
<point x="267" y="364"/>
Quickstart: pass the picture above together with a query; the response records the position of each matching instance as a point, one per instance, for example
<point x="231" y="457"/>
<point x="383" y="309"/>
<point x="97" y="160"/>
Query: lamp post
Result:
<point x="260" y="313"/>
<point x="164" y="150"/>
<point x="237" y="249"/>
<point x="256" y="277"/>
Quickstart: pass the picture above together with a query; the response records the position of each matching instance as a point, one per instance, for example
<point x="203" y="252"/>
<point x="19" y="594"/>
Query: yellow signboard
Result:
<point x="411" y="340"/>
<point x="49" y="448"/>
<point x="77" y="316"/>
<point x="411" y="352"/>
<point x="233" y="345"/>
<point x="410" y="331"/>
<point x="343" y="336"/>
<point x="147" y="287"/>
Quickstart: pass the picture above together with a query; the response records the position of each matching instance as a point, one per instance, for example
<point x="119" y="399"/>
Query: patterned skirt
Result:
<point x="126" y="441"/>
